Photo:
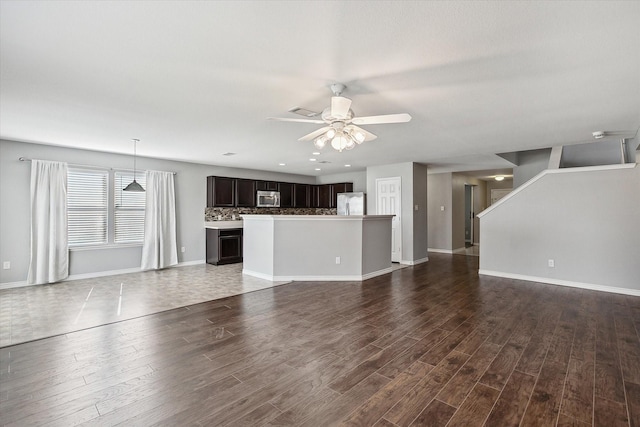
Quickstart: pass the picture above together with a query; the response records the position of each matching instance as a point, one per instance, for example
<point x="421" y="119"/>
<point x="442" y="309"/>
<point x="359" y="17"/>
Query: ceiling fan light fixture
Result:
<point x="341" y="128"/>
<point x="320" y="142"/>
<point x="339" y="142"/>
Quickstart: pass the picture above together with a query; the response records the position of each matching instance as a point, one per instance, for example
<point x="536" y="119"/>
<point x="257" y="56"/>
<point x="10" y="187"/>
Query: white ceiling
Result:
<point x="194" y="80"/>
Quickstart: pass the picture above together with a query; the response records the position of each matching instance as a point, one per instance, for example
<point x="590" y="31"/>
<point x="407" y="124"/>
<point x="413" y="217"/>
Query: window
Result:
<point x="128" y="209"/>
<point x="87" y="207"/>
<point x="95" y="217"/>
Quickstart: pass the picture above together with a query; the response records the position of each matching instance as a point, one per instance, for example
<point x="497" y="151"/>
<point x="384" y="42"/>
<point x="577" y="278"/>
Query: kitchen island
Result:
<point x="316" y="247"/>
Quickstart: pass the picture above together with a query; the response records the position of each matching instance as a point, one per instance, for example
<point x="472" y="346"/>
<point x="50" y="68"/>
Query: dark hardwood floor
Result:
<point x="427" y="345"/>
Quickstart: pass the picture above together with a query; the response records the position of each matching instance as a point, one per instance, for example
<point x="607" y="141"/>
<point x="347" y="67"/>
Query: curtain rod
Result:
<point x="25" y="159"/>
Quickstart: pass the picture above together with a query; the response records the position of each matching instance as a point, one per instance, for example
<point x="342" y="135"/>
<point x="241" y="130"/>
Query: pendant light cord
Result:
<point x="135" y="145"/>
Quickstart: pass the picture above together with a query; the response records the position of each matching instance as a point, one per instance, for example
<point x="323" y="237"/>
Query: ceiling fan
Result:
<point x="341" y="129"/>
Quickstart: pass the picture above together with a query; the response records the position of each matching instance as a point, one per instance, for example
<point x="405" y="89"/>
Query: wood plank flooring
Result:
<point x="430" y="345"/>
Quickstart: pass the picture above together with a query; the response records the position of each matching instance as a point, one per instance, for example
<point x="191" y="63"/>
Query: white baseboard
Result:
<point x="11" y="285"/>
<point x="23" y="283"/>
<point x="101" y="274"/>
<point x="345" y="278"/>
<point x="560" y="282"/>
<point x="440" y="251"/>
<point x="414" y="262"/>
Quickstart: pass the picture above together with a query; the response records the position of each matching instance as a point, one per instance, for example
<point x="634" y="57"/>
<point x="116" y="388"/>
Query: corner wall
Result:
<point x="584" y="219"/>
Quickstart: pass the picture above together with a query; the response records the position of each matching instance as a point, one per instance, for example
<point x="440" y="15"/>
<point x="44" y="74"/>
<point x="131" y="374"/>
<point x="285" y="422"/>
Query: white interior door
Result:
<point x="388" y="202"/>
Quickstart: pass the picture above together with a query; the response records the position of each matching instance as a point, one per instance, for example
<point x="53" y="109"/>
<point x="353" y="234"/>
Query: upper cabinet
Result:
<point x="240" y="192"/>
<point x="326" y="195"/>
<point x="267" y="185"/>
<point x="221" y="191"/>
<point x="301" y="196"/>
<point x="245" y="193"/>
<point x="286" y="194"/>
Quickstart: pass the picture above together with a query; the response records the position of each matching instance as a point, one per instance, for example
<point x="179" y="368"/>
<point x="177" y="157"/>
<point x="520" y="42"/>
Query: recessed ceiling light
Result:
<point x="499" y="178"/>
<point x="316" y="153"/>
<point x="312" y="159"/>
<point x="347" y="166"/>
<point x="318" y="169"/>
<point x="229" y="154"/>
<point x="282" y="164"/>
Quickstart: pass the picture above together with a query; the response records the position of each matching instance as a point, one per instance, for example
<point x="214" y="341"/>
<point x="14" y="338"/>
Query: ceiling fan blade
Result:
<point x="368" y="136"/>
<point x="340" y="107"/>
<point x="284" y="119"/>
<point x="387" y="118"/>
<point x="313" y="135"/>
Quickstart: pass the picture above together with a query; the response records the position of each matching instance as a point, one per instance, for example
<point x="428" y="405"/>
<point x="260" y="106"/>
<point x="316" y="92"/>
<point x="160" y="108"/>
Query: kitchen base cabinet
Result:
<point x="224" y="246"/>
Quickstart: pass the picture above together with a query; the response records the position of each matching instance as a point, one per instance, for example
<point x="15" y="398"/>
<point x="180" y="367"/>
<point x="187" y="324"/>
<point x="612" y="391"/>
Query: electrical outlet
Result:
<point x="551" y="263"/>
<point x="416" y="207"/>
<point x="6" y="265"/>
<point x="183" y="249"/>
<point x="337" y="260"/>
<point x="441" y="208"/>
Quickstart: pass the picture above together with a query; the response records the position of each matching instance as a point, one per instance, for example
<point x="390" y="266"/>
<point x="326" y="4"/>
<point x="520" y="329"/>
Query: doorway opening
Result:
<point x="469" y="215"/>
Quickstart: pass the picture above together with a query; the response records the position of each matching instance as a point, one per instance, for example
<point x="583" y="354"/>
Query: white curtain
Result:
<point x="160" y="244"/>
<point x="49" y="244"/>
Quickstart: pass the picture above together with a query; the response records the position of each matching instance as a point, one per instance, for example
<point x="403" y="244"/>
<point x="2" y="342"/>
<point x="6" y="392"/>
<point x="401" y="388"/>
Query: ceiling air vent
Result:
<point x="303" y="112"/>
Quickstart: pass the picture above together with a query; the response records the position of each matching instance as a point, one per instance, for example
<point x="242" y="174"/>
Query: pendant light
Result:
<point x="134" y="186"/>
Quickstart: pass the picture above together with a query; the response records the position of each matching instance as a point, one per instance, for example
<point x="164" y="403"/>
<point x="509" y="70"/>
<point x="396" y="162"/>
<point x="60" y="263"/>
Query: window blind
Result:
<point x="128" y="208"/>
<point x="87" y="206"/>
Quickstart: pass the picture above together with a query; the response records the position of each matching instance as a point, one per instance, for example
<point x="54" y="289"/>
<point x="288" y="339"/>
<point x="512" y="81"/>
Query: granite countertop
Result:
<point x="220" y="225"/>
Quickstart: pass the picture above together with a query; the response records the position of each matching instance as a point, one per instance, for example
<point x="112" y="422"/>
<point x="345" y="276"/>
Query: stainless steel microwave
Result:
<point x="268" y="199"/>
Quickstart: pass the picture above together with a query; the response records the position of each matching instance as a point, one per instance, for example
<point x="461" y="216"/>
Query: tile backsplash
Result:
<point x="227" y="214"/>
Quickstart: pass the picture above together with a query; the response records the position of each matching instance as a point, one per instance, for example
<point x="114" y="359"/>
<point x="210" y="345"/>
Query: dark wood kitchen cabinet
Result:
<point x="224" y="246"/>
<point x="286" y="194"/>
<point x="343" y="187"/>
<point x="323" y="199"/>
<point x="221" y="191"/>
<point x="245" y="193"/>
<point x="301" y="196"/>
<point x="326" y="195"/>
<point x="240" y="192"/>
<point x="266" y="185"/>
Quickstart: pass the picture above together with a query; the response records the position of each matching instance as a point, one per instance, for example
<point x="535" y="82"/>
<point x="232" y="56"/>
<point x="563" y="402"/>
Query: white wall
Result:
<point x="439" y="195"/>
<point x="190" y="202"/>
<point x="585" y="219"/>
<point x="530" y="163"/>
<point x="359" y="179"/>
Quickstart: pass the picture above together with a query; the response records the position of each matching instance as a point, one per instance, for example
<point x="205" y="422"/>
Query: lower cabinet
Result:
<point x="224" y="246"/>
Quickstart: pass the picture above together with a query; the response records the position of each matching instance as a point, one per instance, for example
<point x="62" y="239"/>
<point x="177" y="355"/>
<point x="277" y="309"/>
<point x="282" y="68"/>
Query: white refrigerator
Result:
<point x="351" y="204"/>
